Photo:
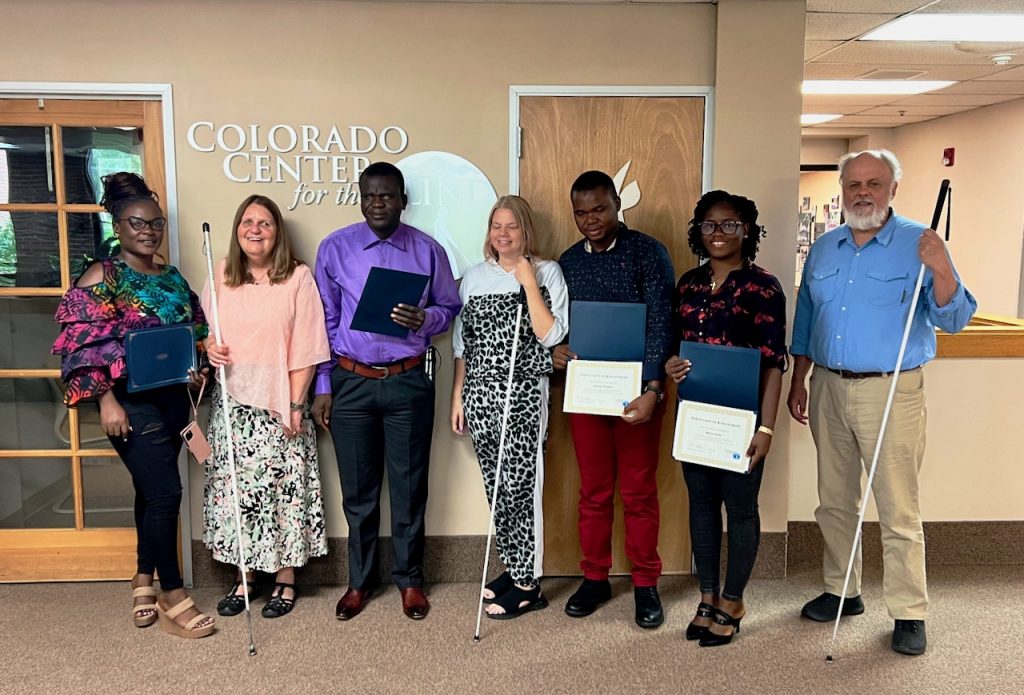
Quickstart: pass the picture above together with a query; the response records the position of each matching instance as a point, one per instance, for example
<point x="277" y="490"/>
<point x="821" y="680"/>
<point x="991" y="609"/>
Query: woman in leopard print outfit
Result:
<point x="482" y="342"/>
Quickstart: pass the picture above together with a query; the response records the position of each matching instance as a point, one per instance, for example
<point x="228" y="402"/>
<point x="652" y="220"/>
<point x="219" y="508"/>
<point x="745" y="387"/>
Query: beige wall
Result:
<point x="988" y="194"/>
<point x="442" y="72"/>
<point x="822" y="151"/>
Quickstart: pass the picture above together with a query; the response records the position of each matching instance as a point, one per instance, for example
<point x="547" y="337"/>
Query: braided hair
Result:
<point x="122" y="189"/>
<point x="744" y="207"/>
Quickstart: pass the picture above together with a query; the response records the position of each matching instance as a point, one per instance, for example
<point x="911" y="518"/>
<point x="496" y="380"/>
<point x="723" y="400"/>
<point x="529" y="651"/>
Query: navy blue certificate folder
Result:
<point x="384" y="290"/>
<point x="159" y="356"/>
<point x="721" y="375"/>
<point x="608" y="331"/>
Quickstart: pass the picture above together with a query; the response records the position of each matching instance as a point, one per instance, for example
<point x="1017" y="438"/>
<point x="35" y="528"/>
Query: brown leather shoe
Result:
<point x="414" y="603"/>
<point x="352" y="603"/>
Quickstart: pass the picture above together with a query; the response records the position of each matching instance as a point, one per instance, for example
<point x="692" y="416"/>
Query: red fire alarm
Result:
<point x="947" y="156"/>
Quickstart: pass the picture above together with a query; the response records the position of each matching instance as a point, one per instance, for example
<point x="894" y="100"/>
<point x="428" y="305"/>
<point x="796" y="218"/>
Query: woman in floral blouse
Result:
<point x="115" y="296"/>
<point x="729" y="300"/>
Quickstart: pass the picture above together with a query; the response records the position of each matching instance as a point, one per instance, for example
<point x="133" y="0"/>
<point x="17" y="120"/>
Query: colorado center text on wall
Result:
<point x="325" y="165"/>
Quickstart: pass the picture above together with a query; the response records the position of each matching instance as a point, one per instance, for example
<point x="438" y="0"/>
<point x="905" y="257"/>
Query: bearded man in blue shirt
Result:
<point x="851" y="309"/>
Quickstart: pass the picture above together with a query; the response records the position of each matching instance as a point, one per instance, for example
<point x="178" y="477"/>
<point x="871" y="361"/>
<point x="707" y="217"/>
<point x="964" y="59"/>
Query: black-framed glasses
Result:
<point x="708" y="227"/>
<point x="157" y="224"/>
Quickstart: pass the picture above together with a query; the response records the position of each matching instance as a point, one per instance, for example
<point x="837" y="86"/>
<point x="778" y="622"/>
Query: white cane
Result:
<point x="221" y="376"/>
<point x="501" y="456"/>
<point x="943" y="190"/>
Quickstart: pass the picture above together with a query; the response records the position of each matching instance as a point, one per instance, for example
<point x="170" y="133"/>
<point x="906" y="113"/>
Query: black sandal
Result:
<point x="499" y="586"/>
<point x="513" y="599"/>
<point x="695" y="632"/>
<point x="710" y="639"/>
<point x="278" y="605"/>
<point x="234" y="603"/>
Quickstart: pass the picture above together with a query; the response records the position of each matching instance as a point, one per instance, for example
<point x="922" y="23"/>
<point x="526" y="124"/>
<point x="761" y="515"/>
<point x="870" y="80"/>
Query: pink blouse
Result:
<point x="272" y="330"/>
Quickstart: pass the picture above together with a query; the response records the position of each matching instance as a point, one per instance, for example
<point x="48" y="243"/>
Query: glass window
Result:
<point x="108" y="493"/>
<point x="29" y="250"/>
<point x="35" y="492"/>
<point x="33" y="413"/>
<point x="92" y="153"/>
<point x="90" y="237"/>
<point x="27" y="332"/>
<point x="26" y="165"/>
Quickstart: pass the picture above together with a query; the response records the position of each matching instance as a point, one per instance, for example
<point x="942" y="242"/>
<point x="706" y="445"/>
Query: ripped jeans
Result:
<point x="151" y="455"/>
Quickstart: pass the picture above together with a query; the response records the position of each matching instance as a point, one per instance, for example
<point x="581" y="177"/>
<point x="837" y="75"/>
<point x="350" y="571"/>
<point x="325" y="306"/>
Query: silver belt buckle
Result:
<point x="383" y="370"/>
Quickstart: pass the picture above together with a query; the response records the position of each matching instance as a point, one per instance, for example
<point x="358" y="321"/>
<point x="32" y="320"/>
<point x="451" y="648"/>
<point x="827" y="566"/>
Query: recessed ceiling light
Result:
<point x="951" y="27"/>
<point x="873" y="86"/>
<point x="816" y="118"/>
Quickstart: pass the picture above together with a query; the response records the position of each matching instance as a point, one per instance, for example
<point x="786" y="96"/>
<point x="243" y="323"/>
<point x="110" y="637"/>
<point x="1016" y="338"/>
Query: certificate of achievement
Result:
<point x="601" y="388"/>
<point x="713" y="435"/>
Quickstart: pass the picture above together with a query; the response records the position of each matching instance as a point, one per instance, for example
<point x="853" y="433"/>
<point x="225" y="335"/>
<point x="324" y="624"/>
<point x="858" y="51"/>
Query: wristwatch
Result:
<point x="656" y="390"/>
<point x="296" y="406"/>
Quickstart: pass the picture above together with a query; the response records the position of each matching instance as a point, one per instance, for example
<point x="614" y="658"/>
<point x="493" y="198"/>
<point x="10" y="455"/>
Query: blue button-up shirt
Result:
<point x="853" y="301"/>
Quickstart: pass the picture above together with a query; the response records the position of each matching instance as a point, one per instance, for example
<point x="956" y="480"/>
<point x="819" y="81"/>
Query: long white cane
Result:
<point x="221" y="376"/>
<point x="943" y="190"/>
<point x="501" y="456"/>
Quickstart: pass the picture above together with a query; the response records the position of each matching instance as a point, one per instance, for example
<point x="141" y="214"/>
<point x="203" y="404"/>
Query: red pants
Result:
<point x="606" y="448"/>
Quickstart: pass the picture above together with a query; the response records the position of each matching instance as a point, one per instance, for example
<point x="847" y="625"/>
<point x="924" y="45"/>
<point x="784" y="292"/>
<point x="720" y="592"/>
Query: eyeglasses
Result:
<point x="157" y="224"/>
<point x="708" y="227"/>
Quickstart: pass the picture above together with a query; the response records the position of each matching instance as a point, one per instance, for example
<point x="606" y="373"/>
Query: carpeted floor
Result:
<point x="78" y="638"/>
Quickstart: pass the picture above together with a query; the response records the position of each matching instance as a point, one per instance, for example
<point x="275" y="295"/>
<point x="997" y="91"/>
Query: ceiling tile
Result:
<point x="973" y="7"/>
<point x="816" y="48"/>
<point x="955" y="99"/>
<point x="904" y="53"/>
<point x="1006" y="72"/>
<point x="849" y="71"/>
<point x="987" y="87"/>
<point x="899" y="6"/>
<point x="820" y="101"/>
<point x="894" y="121"/>
<point x="914" y="110"/>
<point x="841" y="27"/>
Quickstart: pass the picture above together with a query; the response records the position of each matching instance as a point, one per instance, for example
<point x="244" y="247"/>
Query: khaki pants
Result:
<point x="845" y="417"/>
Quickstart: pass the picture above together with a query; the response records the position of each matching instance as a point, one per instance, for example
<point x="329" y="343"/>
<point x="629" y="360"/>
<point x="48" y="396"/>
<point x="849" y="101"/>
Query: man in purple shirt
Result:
<point x="375" y="396"/>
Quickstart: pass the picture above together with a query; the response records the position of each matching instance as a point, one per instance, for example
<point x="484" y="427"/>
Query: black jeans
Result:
<point x="378" y="424"/>
<point x="708" y="489"/>
<point x="151" y="455"/>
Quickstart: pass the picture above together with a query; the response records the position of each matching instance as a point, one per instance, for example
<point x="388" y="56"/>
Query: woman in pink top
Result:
<point x="274" y="335"/>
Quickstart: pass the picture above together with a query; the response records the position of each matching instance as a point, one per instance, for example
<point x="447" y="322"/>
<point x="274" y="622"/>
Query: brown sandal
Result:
<point x="189" y="629"/>
<point x="140" y="616"/>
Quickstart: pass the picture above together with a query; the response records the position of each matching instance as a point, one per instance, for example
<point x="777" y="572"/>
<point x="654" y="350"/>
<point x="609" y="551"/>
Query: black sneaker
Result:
<point x="824" y="608"/>
<point x="649" y="613"/>
<point x="909" y="638"/>
<point x="591" y="594"/>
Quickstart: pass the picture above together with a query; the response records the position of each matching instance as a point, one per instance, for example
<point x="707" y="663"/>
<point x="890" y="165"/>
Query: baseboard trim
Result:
<point x="447" y="559"/>
<point x="946" y="543"/>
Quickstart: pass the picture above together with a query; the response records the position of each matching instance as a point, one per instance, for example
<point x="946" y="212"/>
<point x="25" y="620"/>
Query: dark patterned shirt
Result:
<point x="748" y="311"/>
<point x="635" y="269"/>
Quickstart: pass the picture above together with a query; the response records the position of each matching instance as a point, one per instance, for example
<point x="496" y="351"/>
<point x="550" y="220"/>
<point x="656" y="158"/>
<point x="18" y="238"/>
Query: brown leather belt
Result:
<point x="847" y="374"/>
<point x="372" y="371"/>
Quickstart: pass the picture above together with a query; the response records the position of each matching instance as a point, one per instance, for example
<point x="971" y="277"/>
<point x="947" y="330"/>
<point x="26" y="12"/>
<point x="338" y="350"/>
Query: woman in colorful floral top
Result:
<point x="114" y="296"/>
<point x="729" y="301"/>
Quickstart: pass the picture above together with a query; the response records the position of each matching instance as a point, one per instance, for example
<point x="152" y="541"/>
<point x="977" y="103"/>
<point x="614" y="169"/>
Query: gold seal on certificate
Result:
<point x="713" y="435"/>
<point x="601" y="388"/>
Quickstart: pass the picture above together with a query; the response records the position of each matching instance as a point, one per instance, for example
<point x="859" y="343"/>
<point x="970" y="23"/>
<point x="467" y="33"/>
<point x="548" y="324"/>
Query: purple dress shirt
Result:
<point x="343" y="263"/>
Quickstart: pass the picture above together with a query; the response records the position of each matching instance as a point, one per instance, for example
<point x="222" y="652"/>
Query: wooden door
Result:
<point x="66" y="499"/>
<point x="661" y="139"/>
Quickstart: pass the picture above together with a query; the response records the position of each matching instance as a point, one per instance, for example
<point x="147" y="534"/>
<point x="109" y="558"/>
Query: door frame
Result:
<point x="516" y="91"/>
<point x="163" y="92"/>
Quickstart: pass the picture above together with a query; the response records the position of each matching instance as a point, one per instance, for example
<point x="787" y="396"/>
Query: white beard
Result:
<point x="865" y="221"/>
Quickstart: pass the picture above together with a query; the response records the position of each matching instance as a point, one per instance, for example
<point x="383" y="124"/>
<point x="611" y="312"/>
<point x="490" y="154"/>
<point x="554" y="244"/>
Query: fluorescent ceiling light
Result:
<point x="873" y="86"/>
<point x="816" y="118"/>
<point x="1000" y="28"/>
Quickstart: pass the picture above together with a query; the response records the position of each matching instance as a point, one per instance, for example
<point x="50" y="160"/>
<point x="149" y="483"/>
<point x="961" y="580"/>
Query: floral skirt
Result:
<point x="279" y="490"/>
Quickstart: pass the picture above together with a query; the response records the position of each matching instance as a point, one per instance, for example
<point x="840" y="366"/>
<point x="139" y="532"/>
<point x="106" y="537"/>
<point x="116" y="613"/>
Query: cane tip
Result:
<point x="252" y="650"/>
<point x="829" y="659"/>
<point x="476" y="638"/>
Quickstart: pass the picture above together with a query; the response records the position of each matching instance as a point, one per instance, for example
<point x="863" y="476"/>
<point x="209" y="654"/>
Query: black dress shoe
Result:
<point x="352" y="603"/>
<point x="649" y="613"/>
<point x="909" y="638"/>
<point x="824" y="608"/>
<point x="591" y="594"/>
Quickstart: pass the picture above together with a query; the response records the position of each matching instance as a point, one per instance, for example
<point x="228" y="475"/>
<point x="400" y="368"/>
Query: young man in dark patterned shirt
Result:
<point x="613" y="263"/>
